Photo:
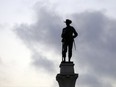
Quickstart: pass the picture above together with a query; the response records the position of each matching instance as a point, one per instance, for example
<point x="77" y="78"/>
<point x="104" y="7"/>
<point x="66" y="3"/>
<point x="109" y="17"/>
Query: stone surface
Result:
<point x="67" y="77"/>
<point x="67" y="68"/>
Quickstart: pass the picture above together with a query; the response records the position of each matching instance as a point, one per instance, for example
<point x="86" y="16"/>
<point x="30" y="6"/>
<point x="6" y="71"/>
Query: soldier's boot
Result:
<point x="69" y="57"/>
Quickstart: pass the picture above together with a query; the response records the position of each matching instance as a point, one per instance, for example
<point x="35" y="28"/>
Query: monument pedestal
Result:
<point x="67" y="77"/>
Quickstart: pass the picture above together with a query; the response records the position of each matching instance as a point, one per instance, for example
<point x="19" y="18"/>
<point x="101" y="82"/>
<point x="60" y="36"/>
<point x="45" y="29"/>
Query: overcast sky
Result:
<point x="30" y="42"/>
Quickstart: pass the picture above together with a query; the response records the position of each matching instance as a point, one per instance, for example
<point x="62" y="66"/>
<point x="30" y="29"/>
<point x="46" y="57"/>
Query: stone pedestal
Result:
<point x="67" y="77"/>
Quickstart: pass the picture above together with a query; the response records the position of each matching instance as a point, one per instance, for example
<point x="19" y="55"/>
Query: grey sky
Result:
<point x="95" y="44"/>
<point x="31" y="45"/>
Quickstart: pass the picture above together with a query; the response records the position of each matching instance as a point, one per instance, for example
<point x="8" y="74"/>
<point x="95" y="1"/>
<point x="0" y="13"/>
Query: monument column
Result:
<point x="67" y="77"/>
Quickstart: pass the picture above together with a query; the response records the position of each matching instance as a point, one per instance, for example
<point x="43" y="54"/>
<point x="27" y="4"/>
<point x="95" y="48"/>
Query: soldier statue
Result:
<point x="68" y="35"/>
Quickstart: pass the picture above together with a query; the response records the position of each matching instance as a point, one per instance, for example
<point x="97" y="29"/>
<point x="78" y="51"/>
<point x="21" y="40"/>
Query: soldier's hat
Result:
<point x="68" y="21"/>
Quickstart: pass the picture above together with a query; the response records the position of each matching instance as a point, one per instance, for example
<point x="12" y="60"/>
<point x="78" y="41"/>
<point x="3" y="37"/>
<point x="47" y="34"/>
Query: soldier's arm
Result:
<point x="75" y="33"/>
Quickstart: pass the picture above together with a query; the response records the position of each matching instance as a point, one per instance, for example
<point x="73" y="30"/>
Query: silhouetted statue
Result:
<point x="68" y="35"/>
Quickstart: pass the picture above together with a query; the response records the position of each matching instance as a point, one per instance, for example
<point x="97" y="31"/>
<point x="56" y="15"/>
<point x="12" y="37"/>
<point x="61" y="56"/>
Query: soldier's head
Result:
<point x="68" y="22"/>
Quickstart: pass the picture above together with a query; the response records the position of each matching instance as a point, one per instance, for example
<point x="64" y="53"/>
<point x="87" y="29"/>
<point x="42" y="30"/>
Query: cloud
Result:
<point x="89" y="80"/>
<point x="44" y="33"/>
<point x="46" y="30"/>
<point x="42" y="62"/>
<point x="95" y="44"/>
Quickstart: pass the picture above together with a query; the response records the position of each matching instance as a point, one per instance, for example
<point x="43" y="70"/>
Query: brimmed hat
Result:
<point x="68" y="21"/>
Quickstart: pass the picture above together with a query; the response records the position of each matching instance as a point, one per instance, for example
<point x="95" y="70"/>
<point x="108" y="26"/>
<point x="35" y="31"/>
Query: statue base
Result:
<point x="67" y="77"/>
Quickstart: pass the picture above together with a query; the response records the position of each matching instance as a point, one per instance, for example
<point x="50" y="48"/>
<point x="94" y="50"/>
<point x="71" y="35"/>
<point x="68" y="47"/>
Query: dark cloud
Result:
<point x="42" y="62"/>
<point x="46" y="31"/>
<point x="95" y="44"/>
<point x="89" y="80"/>
<point x="96" y="47"/>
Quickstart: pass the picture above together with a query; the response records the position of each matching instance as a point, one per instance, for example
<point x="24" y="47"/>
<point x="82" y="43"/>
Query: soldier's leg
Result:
<point x="70" y="50"/>
<point x="64" y="50"/>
